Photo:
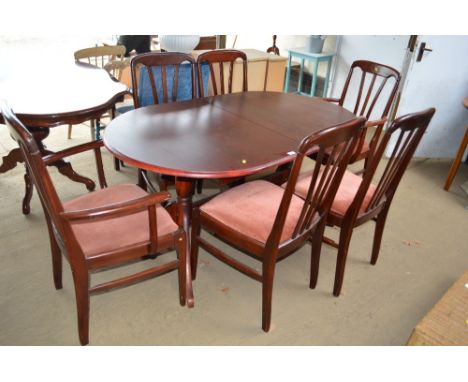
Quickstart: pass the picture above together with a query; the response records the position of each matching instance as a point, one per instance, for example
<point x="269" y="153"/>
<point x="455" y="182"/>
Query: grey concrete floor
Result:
<point x="424" y="250"/>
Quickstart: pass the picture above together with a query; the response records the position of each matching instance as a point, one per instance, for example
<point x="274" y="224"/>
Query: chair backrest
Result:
<point x="217" y="60"/>
<point x="407" y="131"/>
<point x="371" y="88"/>
<point x="100" y="55"/>
<point x="35" y="165"/>
<point x="162" y="78"/>
<point x="325" y="180"/>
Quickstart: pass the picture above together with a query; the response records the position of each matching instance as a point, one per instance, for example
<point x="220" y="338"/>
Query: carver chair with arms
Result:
<point x="360" y="199"/>
<point x="102" y="229"/>
<point x="269" y="223"/>
<point x="108" y="57"/>
<point x="162" y="78"/>
<point x="376" y="90"/>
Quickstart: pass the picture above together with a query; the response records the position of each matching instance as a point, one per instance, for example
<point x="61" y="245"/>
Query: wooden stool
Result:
<point x="456" y="162"/>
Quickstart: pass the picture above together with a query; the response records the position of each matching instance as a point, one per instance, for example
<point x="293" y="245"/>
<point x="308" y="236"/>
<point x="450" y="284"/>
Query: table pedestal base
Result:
<point x="14" y="157"/>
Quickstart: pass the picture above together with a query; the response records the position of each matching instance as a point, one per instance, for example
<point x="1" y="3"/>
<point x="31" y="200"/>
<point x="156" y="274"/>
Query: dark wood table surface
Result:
<point x="218" y="137"/>
<point x="49" y="96"/>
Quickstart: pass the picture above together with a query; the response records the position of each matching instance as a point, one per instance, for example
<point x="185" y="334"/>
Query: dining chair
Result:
<point x="369" y="91"/>
<point x="270" y="223"/>
<point x="222" y="71"/>
<point x="159" y="78"/>
<point x="221" y="76"/>
<point x="361" y="199"/>
<point x="110" y="227"/>
<point x="108" y="57"/>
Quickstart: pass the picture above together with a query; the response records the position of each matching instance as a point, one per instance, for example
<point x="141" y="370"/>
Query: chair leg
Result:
<point x="180" y="249"/>
<point x="343" y="246"/>
<point x="56" y="256"/>
<point x="196" y="229"/>
<point x="93" y="130"/>
<point x="315" y="254"/>
<point x="378" y="232"/>
<point x="267" y="295"/>
<point x="456" y="162"/>
<point x="69" y="132"/>
<point x="81" y="280"/>
<point x="116" y="164"/>
<point x="199" y="186"/>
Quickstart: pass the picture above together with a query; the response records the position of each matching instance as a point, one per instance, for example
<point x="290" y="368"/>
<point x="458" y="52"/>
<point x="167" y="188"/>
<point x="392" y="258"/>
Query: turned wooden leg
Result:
<point x="185" y="189"/>
<point x="28" y="192"/>
<point x="182" y="256"/>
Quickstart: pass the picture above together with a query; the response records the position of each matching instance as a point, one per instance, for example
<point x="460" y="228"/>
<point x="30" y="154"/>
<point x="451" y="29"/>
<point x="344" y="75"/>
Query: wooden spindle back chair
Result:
<point x="359" y="200"/>
<point x="219" y="82"/>
<point x="270" y="223"/>
<point x="105" y="228"/>
<point x="375" y="81"/>
<point x="108" y="57"/>
<point x="164" y="72"/>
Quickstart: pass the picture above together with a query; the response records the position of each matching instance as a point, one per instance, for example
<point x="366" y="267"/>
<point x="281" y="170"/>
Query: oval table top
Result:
<point x="219" y="137"/>
<point x="51" y="95"/>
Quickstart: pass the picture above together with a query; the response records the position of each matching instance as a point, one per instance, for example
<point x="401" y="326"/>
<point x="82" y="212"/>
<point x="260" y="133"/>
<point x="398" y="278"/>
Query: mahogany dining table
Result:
<point x="52" y="95"/>
<point x="227" y="136"/>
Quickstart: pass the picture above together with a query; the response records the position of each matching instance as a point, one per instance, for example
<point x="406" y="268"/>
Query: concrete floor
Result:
<point x="424" y="250"/>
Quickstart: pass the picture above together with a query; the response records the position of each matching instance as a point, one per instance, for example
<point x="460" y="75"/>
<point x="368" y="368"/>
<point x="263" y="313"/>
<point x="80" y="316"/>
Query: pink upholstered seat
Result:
<point x="96" y="237"/>
<point x="251" y="209"/>
<point x="346" y="192"/>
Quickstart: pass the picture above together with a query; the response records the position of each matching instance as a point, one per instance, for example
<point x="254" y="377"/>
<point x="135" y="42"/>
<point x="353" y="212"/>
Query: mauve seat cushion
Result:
<point x="108" y="235"/>
<point x="251" y="209"/>
<point x="345" y="195"/>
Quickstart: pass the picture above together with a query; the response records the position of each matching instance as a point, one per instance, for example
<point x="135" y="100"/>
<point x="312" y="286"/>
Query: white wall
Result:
<point x="439" y="80"/>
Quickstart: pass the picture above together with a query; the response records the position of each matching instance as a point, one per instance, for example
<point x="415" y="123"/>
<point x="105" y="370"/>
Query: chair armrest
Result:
<point x="378" y="122"/>
<point x="116" y="210"/>
<point x="54" y="157"/>
<point x="328" y="99"/>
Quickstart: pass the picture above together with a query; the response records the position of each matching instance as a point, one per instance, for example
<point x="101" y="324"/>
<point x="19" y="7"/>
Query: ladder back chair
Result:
<point x="108" y="57"/>
<point x="360" y="199"/>
<point x="378" y="85"/>
<point x="222" y="71"/>
<point x="158" y="78"/>
<point x="269" y="223"/>
<point x="102" y="229"/>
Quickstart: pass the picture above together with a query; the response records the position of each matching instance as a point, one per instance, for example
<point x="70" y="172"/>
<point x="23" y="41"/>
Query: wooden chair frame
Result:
<point x="366" y="101"/>
<point x="409" y="130"/>
<point x="163" y="60"/>
<point x="63" y="240"/>
<point x="221" y="57"/>
<point x="310" y="224"/>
